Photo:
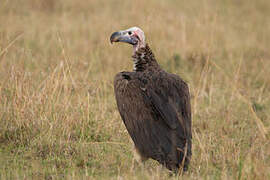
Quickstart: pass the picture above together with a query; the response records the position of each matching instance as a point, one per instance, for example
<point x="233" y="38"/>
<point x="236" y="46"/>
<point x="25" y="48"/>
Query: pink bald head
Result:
<point x="134" y="36"/>
<point x="140" y="36"/>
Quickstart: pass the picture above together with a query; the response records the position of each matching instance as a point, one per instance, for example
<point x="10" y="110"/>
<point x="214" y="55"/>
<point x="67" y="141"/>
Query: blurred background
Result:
<point x="58" y="116"/>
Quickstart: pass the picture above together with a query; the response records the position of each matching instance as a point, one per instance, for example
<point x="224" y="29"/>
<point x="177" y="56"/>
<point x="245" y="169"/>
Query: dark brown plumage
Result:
<point x="155" y="108"/>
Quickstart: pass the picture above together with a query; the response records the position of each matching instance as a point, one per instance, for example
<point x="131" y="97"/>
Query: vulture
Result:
<point x="154" y="105"/>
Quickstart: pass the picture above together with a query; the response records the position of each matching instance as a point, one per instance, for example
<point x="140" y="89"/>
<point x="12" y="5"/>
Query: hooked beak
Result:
<point x="123" y="36"/>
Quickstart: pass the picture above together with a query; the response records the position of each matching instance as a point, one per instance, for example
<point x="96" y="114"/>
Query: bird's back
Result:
<point x="154" y="106"/>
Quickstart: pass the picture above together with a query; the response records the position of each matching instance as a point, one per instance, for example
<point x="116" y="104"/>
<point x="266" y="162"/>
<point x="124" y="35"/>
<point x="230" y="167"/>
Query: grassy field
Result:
<point x="58" y="115"/>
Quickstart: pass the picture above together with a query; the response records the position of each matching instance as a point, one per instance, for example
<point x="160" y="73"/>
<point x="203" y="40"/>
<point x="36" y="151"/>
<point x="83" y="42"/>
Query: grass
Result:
<point x="58" y="116"/>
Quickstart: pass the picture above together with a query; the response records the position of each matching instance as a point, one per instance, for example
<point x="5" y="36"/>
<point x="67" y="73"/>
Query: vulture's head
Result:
<point x="134" y="36"/>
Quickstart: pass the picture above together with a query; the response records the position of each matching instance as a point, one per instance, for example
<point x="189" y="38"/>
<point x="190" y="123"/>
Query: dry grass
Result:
<point x="58" y="117"/>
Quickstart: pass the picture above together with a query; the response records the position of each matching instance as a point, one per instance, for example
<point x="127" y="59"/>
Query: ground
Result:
<point x="58" y="115"/>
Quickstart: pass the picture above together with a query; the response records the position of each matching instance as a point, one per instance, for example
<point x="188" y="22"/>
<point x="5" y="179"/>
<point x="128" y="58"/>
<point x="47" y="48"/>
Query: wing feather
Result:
<point x="164" y="108"/>
<point x="156" y="114"/>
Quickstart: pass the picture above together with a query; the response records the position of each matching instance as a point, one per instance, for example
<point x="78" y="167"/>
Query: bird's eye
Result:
<point x="129" y="32"/>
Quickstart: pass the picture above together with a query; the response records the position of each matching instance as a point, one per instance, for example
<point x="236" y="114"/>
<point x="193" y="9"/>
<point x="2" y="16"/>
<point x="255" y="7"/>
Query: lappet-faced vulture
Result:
<point x="154" y="105"/>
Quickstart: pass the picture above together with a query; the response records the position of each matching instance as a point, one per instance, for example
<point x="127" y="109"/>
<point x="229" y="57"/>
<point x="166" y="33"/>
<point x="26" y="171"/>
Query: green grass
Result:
<point x="58" y="116"/>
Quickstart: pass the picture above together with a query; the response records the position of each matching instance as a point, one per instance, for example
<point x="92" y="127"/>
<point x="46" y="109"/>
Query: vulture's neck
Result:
<point x="144" y="59"/>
